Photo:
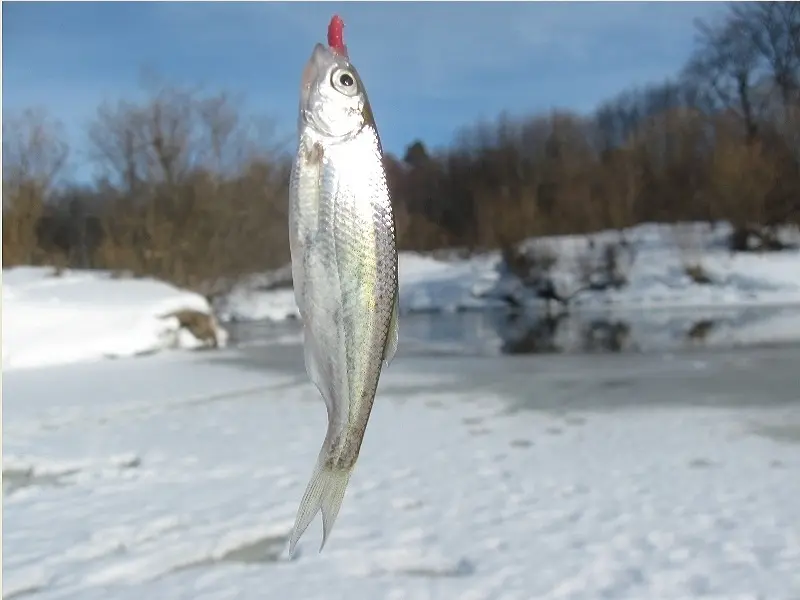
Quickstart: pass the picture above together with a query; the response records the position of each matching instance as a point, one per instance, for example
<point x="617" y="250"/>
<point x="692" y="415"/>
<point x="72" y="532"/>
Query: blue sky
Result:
<point x="429" y="67"/>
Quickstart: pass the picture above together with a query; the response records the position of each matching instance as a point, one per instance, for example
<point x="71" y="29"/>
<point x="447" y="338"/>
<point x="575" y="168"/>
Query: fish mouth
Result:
<point x="316" y="65"/>
<point x="315" y="68"/>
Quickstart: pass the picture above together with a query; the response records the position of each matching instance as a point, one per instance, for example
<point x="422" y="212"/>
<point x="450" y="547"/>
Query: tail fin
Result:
<point x="325" y="492"/>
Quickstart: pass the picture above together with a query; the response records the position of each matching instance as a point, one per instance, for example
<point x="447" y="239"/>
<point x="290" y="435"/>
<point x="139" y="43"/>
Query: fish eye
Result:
<point x="344" y="82"/>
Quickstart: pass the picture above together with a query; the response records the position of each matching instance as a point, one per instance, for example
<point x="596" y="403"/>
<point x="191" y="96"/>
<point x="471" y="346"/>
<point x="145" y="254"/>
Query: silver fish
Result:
<point x="344" y="267"/>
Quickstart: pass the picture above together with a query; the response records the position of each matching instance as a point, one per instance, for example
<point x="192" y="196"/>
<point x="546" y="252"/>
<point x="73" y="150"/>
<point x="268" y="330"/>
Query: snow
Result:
<point x="246" y="301"/>
<point x="248" y="304"/>
<point x="660" y="474"/>
<point x="52" y="317"/>
<point x="656" y="276"/>
<point x="178" y="476"/>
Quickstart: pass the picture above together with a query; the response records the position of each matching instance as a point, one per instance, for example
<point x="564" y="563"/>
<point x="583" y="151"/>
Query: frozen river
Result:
<point x="665" y="468"/>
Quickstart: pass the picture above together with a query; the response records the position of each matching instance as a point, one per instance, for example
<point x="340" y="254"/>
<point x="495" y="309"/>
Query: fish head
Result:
<point x="333" y="101"/>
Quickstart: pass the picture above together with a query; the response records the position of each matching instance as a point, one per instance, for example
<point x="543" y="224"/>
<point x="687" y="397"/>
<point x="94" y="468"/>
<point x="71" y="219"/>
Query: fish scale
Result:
<point x="344" y="267"/>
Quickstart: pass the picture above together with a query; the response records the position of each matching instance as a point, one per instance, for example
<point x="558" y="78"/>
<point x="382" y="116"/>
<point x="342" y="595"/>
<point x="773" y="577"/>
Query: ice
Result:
<point x="178" y="476"/>
<point x="612" y="330"/>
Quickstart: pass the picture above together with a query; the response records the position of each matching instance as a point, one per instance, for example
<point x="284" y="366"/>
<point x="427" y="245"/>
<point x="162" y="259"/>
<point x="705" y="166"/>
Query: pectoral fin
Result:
<point x="394" y="335"/>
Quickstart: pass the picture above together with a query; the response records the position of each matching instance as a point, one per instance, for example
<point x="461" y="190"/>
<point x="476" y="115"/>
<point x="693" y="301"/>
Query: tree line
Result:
<point x="190" y="189"/>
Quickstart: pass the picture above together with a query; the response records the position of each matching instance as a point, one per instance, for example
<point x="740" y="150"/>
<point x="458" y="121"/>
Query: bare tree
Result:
<point x="773" y="30"/>
<point x="201" y="187"/>
<point x="35" y="149"/>
<point x="725" y="65"/>
<point x="35" y="153"/>
<point x="195" y="191"/>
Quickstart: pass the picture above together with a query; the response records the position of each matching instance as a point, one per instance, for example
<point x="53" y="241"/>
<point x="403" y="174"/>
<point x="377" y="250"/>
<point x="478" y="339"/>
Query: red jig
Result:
<point x="336" y="35"/>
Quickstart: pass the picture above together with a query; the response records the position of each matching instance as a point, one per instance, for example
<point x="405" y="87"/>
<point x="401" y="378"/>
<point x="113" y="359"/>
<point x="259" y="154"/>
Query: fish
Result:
<point x="342" y="238"/>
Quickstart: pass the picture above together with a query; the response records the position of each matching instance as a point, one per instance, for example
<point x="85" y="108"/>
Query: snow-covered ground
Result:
<point x="649" y="475"/>
<point x="656" y="273"/>
<point x="52" y="317"/>
<point x="177" y="476"/>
